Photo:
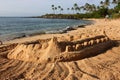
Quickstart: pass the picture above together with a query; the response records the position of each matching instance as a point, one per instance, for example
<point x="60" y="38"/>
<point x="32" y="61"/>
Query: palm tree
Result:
<point x="93" y="7"/>
<point x="62" y="9"/>
<point x="82" y="8"/>
<point x="106" y="3"/>
<point x="76" y="7"/>
<point x="102" y="3"/>
<point x="115" y="2"/>
<point x="68" y="10"/>
<point x="59" y="7"/>
<point x="56" y="9"/>
<point x="98" y="7"/>
<point x="79" y="9"/>
<point x="53" y="8"/>
<point x="72" y="9"/>
<point x="90" y="8"/>
<point x="87" y="7"/>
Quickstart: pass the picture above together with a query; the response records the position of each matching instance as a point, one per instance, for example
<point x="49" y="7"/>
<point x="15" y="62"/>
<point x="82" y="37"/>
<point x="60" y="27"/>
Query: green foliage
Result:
<point x="91" y="10"/>
<point x="117" y="15"/>
<point x="103" y="12"/>
<point x="117" y="8"/>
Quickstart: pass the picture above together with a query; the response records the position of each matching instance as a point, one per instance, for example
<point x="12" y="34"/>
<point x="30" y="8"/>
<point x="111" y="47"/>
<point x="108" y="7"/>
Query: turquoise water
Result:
<point x="11" y="28"/>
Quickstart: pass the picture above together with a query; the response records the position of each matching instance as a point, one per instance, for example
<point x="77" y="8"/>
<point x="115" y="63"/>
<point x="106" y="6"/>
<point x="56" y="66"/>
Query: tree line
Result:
<point x="88" y="10"/>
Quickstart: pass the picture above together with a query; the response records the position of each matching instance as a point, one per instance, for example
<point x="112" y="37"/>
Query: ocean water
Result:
<point x="11" y="28"/>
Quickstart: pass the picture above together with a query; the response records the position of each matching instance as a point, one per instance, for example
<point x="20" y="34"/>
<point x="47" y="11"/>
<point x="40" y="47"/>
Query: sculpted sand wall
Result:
<point x="52" y="50"/>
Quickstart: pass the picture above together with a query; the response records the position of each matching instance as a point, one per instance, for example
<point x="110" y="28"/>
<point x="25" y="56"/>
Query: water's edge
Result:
<point x="34" y="33"/>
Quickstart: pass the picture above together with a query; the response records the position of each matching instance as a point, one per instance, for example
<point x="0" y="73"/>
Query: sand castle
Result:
<point x="52" y="50"/>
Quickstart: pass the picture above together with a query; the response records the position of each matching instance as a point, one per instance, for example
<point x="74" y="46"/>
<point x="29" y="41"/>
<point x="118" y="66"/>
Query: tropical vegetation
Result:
<point x="88" y="10"/>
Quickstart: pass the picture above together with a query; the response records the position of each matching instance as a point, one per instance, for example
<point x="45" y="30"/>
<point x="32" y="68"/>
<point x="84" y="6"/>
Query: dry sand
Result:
<point x="81" y="54"/>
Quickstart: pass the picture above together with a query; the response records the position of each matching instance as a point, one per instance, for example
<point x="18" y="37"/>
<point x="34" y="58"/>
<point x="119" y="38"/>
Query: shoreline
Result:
<point x="49" y="28"/>
<point x="56" y="32"/>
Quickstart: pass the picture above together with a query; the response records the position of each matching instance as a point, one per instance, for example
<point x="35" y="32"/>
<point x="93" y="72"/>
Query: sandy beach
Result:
<point x="91" y="52"/>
